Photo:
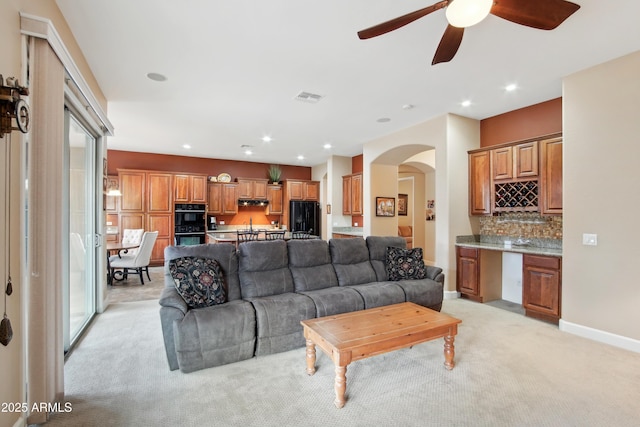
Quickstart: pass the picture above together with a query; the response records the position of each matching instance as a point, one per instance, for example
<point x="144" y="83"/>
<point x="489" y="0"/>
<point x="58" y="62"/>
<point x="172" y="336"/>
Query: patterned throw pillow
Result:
<point x="198" y="281"/>
<point x="405" y="264"/>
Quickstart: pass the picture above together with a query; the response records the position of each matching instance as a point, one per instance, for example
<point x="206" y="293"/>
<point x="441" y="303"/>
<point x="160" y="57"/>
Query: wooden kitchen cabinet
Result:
<point x="252" y="188"/>
<point x="133" y="189"/>
<point x="163" y="224"/>
<point x="274" y="196"/>
<point x="302" y="190"/>
<point x="551" y="176"/>
<point x="478" y="274"/>
<point x="190" y="188"/>
<point x="229" y="199"/>
<point x="222" y="198"/>
<point x="480" y="183"/>
<point x="542" y="286"/>
<point x="352" y="194"/>
<point x="159" y="192"/>
<point x="518" y="161"/>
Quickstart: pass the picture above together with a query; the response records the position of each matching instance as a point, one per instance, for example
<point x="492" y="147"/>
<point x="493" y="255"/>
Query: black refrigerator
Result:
<point x="304" y="216"/>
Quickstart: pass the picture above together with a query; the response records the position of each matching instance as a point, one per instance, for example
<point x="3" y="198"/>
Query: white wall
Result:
<point x="451" y="136"/>
<point x="601" y="122"/>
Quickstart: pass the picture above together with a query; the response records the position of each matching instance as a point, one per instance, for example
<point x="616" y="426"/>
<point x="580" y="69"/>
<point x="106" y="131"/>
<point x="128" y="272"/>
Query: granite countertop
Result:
<point x="349" y="231"/>
<point x="496" y="243"/>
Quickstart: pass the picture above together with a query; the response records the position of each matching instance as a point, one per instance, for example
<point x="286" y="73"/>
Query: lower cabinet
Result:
<point x="542" y="286"/>
<point x="478" y="274"/>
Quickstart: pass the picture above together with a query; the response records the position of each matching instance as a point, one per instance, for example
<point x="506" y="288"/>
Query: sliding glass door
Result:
<point x="80" y="283"/>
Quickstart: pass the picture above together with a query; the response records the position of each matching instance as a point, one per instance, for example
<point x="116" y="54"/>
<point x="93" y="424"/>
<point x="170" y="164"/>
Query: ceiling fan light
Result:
<point x="465" y="13"/>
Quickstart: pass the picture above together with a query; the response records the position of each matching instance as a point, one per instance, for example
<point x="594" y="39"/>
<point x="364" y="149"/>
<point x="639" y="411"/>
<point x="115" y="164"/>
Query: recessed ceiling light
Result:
<point x="248" y="152"/>
<point x="407" y="107"/>
<point x="326" y="146"/>
<point x="511" y="87"/>
<point x="186" y="146"/>
<point x="465" y="103"/>
<point x="266" y="138"/>
<point x="157" y="77"/>
<point x="300" y="157"/>
<point x="383" y="120"/>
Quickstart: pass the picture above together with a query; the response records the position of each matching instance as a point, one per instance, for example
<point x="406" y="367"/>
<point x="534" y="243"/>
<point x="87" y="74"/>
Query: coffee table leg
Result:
<point x="449" y="352"/>
<point x="340" y="386"/>
<point x="311" y="358"/>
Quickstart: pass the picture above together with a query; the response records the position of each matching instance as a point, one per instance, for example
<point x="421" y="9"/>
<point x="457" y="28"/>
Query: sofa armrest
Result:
<point x="435" y="273"/>
<point x="171" y="298"/>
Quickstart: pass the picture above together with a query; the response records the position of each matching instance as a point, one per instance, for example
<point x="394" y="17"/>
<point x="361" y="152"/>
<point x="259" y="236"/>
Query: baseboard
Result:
<point x="600" y="336"/>
<point x="451" y="294"/>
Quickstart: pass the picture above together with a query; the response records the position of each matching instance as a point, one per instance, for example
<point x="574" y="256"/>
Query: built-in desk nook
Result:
<point x="529" y="275"/>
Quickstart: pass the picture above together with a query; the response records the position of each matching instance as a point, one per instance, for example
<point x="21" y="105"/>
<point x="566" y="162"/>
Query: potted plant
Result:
<point x="274" y="173"/>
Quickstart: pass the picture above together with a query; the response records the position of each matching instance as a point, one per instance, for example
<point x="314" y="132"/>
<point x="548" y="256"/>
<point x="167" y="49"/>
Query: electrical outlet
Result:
<point x="590" y="239"/>
<point x="355" y="224"/>
<point x="221" y="222"/>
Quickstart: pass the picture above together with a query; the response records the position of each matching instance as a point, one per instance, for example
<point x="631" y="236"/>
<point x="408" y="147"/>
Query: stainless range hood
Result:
<point x="246" y="202"/>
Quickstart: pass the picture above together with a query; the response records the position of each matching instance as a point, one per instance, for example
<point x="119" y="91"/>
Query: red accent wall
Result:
<point x="529" y="122"/>
<point x="197" y="165"/>
<point x="356" y="164"/>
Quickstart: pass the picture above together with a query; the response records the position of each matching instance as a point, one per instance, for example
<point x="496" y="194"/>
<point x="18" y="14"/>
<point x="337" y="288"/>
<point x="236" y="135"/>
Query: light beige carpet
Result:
<point x="133" y="290"/>
<point x="510" y="371"/>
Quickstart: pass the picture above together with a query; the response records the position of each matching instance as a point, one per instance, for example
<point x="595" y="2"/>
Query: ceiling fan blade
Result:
<point x="449" y="44"/>
<point x="394" y="24"/>
<point x="541" y="14"/>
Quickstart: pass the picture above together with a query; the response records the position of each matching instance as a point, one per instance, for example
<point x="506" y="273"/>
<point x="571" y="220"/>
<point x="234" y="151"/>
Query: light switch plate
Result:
<point x="590" y="239"/>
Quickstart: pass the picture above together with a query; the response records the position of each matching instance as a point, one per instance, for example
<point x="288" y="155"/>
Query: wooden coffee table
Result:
<point x="353" y="336"/>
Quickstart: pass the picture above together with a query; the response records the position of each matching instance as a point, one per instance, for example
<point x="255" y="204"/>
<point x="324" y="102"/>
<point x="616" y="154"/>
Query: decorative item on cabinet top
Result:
<point x="212" y="178"/>
<point x="224" y="177"/>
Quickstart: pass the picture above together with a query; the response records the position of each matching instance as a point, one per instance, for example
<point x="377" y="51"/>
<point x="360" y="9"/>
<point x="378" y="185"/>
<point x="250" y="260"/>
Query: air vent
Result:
<point x="309" y="97"/>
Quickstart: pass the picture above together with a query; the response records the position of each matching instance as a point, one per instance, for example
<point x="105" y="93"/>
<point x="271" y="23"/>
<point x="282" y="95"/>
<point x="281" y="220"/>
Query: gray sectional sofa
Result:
<point x="273" y="285"/>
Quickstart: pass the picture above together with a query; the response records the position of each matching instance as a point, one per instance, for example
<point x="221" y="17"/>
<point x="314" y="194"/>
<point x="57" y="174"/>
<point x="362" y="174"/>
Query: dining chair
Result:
<point x="132" y="236"/>
<point x="274" y="235"/>
<point x="300" y="234"/>
<point x="246" y="235"/>
<point x="138" y="262"/>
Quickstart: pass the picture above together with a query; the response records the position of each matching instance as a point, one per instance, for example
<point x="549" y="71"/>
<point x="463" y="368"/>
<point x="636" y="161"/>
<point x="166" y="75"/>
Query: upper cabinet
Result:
<point x="252" y="188"/>
<point x="190" y="189"/>
<point x="222" y="198"/>
<point x="480" y="183"/>
<point x="519" y="161"/>
<point x="302" y="190"/>
<point x="274" y="196"/>
<point x="352" y="194"/>
<point x="551" y="177"/>
<point x="133" y="188"/>
<point x="524" y="176"/>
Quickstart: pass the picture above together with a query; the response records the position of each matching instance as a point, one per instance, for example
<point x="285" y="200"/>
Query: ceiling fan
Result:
<point x="541" y="14"/>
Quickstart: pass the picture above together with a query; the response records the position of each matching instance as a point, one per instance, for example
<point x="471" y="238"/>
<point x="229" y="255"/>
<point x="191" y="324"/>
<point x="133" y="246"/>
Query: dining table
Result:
<point x="114" y="248"/>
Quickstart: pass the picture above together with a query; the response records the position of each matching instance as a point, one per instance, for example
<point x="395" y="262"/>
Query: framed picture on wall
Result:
<point x="385" y="206"/>
<point x="403" y="202"/>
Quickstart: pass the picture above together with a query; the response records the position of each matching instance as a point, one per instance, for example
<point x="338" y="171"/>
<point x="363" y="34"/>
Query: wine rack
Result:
<point x="516" y="196"/>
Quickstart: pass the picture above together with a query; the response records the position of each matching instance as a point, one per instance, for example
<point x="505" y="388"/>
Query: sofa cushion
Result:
<point x="214" y="336"/>
<point x="378" y="253"/>
<point x="350" y="258"/>
<point x="335" y="300"/>
<point x="405" y="264"/>
<point x="278" y="319"/>
<point x="263" y="268"/>
<point x="310" y="265"/>
<point x="224" y="253"/>
<point x="198" y="281"/>
<point x="377" y="294"/>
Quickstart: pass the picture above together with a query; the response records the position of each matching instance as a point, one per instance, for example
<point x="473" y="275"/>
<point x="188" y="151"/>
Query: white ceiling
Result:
<point x="234" y="67"/>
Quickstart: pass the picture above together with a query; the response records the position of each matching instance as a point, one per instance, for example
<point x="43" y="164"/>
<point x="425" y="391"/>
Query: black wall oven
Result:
<point x="190" y="226"/>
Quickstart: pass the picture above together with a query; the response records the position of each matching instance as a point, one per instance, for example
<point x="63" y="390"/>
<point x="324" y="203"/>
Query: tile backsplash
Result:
<point x="528" y="225"/>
